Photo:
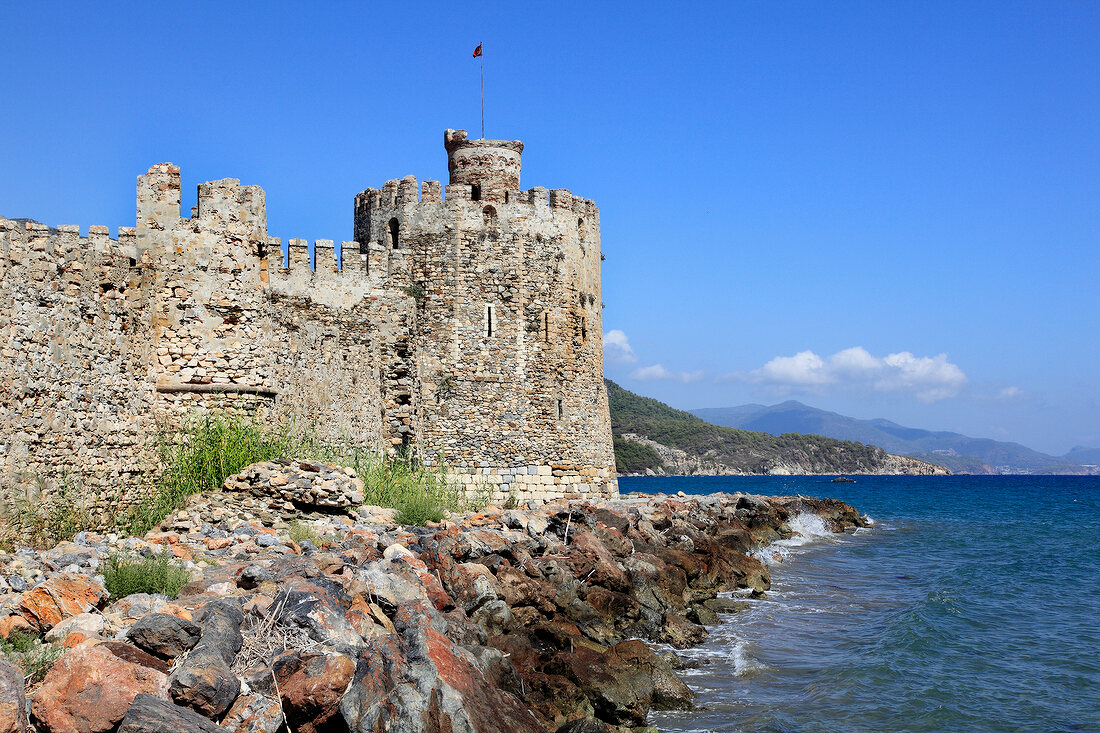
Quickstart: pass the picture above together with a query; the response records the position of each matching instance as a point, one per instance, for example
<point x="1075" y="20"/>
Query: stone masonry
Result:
<point x="463" y="325"/>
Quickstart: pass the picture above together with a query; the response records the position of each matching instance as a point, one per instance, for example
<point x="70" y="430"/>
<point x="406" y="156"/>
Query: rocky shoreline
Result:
<point x="538" y="618"/>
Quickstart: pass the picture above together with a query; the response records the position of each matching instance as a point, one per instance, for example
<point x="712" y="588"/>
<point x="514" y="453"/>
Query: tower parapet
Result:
<point x="490" y="167"/>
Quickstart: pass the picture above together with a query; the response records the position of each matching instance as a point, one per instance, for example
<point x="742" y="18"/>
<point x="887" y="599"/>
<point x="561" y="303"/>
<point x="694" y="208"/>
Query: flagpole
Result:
<point x="482" y="58"/>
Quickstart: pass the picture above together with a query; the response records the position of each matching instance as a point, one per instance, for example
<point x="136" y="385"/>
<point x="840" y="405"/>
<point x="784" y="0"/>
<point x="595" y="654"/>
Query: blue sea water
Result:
<point x="973" y="604"/>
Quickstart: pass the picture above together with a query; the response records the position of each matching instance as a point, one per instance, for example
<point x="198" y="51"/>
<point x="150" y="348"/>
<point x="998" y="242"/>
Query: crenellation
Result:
<point x="455" y="192"/>
<point x="561" y="198"/>
<point x="459" y="321"/>
<point x="431" y="192"/>
<point x="298" y="258"/>
<point x="408" y="191"/>
<point x="324" y="255"/>
<point x="388" y="194"/>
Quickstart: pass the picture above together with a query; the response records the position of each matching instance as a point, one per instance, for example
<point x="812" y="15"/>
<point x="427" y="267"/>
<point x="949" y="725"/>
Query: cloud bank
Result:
<point x="657" y="371"/>
<point x="928" y="378"/>
<point x="616" y="348"/>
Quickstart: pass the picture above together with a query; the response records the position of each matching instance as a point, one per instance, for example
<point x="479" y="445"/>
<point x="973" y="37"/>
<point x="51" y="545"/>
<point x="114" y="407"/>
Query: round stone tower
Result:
<point x="490" y="167"/>
<point x="500" y="372"/>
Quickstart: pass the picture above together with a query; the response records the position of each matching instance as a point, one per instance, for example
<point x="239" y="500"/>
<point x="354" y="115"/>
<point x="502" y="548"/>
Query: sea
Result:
<point x="971" y="604"/>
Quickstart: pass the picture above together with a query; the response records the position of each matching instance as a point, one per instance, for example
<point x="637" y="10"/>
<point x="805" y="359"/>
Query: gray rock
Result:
<point x="205" y="681"/>
<point x="150" y="714"/>
<point x="164" y="635"/>
<point x="13" y="704"/>
<point x="252" y="576"/>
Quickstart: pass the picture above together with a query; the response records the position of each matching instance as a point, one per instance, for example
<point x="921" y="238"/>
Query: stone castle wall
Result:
<point x="466" y="328"/>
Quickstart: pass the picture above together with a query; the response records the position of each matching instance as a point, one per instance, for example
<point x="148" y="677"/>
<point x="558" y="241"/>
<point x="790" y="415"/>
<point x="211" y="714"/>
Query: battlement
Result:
<point x="63" y="244"/>
<point x="402" y="193"/>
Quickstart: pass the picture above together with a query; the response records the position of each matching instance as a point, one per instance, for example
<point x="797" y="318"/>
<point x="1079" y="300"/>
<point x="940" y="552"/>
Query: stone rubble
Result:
<point x="539" y="618"/>
<point x="302" y="483"/>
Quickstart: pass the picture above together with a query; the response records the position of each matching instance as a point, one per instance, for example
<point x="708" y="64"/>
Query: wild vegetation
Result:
<point x="125" y="575"/>
<point x="744" y="450"/>
<point x="200" y="457"/>
<point x="30" y="654"/>
<point x="632" y="457"/>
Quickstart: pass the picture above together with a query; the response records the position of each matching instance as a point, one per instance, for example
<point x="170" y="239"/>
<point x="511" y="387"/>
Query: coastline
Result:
<point x="527" y="619"/>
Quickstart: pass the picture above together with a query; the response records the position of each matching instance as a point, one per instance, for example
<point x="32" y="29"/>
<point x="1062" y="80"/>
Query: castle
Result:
<point x="464" y="323"/>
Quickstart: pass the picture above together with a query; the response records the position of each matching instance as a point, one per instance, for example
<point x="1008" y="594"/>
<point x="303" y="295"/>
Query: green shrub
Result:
<point x="420" y="493"/>
<point x="125" y="575"/>
<point x="201" y="457"/>
<point x="30" y="654"/>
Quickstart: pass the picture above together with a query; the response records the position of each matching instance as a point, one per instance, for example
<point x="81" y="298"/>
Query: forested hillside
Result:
<point x="651" y="435"/>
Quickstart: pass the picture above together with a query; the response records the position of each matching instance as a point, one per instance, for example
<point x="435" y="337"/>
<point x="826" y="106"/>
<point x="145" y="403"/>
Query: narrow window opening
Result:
<point x="475" y="192"/>
<point x="489" y="320"/>
<point x="395" y="230"/>
<point x="559" y="409"/>
<point x="580" y="228"/>
<point x="584" y="330"/>
<point x="546" y="327"/>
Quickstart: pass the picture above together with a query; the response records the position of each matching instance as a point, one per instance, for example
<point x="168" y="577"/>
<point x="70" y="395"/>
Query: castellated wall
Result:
<point x="465" y="327"/>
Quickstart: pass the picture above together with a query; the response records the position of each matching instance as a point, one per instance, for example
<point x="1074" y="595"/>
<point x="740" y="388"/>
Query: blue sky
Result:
<point x="884" y="209"/>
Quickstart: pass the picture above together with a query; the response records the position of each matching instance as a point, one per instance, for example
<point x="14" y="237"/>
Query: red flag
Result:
<point x="477" y="51"/>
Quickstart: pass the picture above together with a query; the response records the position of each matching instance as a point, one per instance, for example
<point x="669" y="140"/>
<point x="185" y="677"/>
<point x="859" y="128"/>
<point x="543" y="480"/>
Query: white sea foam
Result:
<point x="743" y="662"/>
<point x="807" y="528"/>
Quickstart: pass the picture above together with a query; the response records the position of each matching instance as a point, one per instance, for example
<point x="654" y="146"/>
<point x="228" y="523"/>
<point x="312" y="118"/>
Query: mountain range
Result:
<point x="960" y="453"/>
<point x="653" y="438"/>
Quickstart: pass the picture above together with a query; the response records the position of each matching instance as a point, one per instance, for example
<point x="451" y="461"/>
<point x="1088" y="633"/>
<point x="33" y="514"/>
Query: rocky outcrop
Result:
<point x="512" y="621"/>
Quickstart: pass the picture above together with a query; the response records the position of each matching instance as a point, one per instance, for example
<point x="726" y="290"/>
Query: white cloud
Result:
<point x="1010" y="393"/>
<point x="929" y="378"/>
<point x="616" y="347"/>
<point x="657" y="371"/>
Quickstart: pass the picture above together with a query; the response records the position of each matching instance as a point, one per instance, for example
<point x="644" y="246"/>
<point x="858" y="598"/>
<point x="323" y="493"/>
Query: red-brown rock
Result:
<point x="311" y="686"/>
<point x="59" y="598"/>
<point x="89" y="690"/>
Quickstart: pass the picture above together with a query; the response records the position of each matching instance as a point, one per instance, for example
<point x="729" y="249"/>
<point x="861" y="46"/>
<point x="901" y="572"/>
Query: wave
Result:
<point x="806" y="527"/>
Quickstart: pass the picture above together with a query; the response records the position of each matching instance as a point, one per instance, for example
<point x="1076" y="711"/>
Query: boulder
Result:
<point x="60" y="597"/>
<point x="421" y="682"/>
<point x="165" y="635"/>
<point x="90" y="689"/>
<point x="151" y="714"/>
<point x="205" y="681"/>
<point x="90" y="625"/>
<point x="311" y="686"/>
<point x="318" y="608"/>
<point x="13" y="703"/>
<point x="254" y="714"/>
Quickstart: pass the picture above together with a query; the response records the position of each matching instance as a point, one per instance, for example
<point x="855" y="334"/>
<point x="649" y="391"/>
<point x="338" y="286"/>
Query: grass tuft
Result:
<point x="125" y="575"/>
<point x="212" y="447"/>
<point x="41" y="513"/>
<point x="200" y="458"/>
<point x="300" y="532"/>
